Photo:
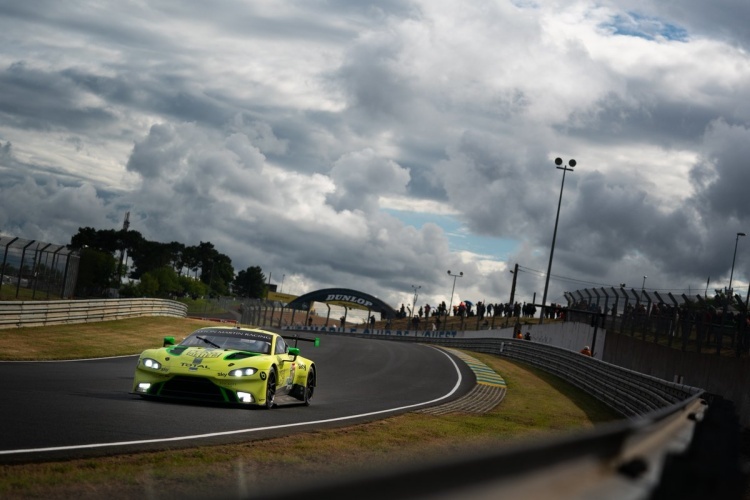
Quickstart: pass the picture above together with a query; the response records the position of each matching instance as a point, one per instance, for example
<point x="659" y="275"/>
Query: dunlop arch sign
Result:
<point x="344" y="297"/>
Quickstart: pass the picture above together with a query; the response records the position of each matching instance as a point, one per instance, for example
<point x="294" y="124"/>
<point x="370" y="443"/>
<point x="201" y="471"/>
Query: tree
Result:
<point x="148" y="256"/>
<point x="250" y="283"/>
<point x="168" y="284"/>
<point x="192" y="287"/>
<point x="216" y="268"/>
<point x="149" y="286"/>
<point x="96" y="269"/>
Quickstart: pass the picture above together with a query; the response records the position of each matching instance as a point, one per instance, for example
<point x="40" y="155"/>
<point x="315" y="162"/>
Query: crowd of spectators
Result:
<point x="480" y="309"/>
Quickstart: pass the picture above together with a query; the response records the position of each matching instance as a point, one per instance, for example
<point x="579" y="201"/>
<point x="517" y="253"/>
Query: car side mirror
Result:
<point x="168" y="341"/>
<point x="294" y="351"/>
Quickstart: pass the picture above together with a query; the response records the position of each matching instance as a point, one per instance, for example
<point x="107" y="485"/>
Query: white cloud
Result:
<point x="301" y="137"/>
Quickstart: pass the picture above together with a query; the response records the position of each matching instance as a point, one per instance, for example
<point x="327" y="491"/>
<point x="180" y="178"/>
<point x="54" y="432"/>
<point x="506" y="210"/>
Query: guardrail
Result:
<point x="630" y="393"/>
<point x="631" y="458"/>
<point x="16" y="314"/>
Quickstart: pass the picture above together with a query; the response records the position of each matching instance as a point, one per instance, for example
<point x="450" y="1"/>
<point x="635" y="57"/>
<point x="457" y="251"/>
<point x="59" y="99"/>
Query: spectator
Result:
<point x="527" y="336"/>
<point x="586" y="351"/>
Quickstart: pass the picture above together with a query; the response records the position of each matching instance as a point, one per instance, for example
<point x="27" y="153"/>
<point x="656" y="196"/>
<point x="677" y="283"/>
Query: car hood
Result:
<point x="193" y="358"/>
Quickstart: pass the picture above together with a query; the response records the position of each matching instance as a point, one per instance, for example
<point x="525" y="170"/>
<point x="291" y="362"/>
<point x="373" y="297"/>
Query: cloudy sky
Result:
<point x="377" y="145"/>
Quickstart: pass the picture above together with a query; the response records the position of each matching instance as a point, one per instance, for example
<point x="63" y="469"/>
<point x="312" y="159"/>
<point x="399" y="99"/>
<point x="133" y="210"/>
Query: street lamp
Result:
<point x="416" y="294"/>
<point x="728" y="299"/>
<point x="460" y="274"/>
<point x="731" y="274"/>
<point x="564" y="168"/>
<point x="514" y="272"/>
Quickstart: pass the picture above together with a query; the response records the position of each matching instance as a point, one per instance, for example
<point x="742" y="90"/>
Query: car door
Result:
<point x="285" y="365"/>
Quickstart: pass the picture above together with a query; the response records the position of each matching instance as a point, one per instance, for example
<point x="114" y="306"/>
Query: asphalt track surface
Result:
<point x="70" y="409"/>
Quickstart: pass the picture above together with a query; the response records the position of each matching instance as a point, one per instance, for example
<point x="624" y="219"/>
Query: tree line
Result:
<point x="157" y="269"/>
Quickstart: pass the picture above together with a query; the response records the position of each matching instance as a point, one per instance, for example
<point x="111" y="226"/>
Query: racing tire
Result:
<point x="309" y="388"/>
<point x="270" y="390"/>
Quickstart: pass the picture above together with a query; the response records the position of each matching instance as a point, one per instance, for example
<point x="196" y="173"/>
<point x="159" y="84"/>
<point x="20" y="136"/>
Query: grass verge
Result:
<point x="536" y="404"/>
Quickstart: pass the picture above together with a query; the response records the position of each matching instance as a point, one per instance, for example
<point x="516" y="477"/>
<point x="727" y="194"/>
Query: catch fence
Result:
<point x="32" y="269"/>
<point x="691" y="323"/>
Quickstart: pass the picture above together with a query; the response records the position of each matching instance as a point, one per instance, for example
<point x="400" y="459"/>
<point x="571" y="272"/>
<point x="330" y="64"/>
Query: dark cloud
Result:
<point x="41" y="100"/>
<point x="280" y="134"/>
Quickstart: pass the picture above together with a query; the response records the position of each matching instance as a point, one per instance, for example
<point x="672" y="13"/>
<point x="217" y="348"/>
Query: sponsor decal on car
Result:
<point x="204" y="353"/>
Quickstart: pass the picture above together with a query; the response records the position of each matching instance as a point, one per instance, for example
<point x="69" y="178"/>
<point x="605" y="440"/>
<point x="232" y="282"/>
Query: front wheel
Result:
<point x="270" y="390"/>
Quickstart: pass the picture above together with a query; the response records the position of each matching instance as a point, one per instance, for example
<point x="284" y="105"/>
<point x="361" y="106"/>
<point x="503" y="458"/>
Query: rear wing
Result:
<point x="296" y="338"/>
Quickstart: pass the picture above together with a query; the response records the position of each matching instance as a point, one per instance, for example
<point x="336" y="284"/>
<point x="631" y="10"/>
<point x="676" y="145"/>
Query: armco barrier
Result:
<point x="629" y="458"/>
<point x="630" y="393"/>
<point x="16" y="314"/>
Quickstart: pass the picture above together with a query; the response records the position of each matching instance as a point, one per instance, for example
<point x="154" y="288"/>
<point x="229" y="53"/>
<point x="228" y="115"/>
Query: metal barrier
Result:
<point x="56" y="312"/>
<point x="623" y="459"/>
<point x="630" y="393"/>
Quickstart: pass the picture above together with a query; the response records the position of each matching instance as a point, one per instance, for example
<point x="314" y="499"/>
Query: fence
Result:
<point x="57" y="312"/>
<point x="47" y="270"/>
<point x="689" y="324"/>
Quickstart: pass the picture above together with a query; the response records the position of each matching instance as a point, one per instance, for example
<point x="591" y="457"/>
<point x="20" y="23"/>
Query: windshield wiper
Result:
<point x="204" y="339"/>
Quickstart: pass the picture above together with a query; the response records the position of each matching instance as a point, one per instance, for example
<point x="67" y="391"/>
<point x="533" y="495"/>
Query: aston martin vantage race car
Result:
<point x="223" y="364"/>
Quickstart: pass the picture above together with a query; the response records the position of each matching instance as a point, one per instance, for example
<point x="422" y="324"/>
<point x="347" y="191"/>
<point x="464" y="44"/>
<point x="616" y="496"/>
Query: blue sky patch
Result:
<point x="649" y="28"/>
<point x="459" y="237"/>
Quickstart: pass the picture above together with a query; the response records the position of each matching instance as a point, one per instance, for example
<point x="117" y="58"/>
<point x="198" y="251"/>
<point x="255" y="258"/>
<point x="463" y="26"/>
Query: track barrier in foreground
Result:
<point x="674" y="441"/>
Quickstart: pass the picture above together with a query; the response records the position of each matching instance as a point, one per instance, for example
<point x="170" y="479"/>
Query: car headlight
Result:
<point x="243" y="372"/>
<point x="151" y="363"/>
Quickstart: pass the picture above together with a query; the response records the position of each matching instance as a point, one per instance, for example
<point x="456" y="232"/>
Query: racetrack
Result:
<point x="53" y="410"/>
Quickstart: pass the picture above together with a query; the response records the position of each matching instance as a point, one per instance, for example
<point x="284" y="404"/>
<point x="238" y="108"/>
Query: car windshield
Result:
<point x="221" y="340"/>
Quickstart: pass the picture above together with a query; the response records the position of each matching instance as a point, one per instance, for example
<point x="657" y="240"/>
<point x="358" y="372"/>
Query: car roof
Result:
<point x="240" y="328"/>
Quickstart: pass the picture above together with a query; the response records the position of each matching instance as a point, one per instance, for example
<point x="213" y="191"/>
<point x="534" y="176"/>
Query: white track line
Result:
<point x="241" y="431"/>
<point x="67" y="360"/>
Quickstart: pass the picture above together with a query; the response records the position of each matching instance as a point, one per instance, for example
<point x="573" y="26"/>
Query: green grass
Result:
<point x="8" y="292"/>
<point x="536" y="404"/>
<point x="92" y="340"/>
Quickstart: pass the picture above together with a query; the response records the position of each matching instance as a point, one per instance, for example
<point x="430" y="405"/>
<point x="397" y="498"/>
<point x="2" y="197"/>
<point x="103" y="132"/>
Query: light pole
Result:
<point x="564" y="168"/>
<point x="460" y="274"/>
<point x="416" y="294"/>
<point x="282" y="283"/>
<point x="643" y="286"/>
<point x="731" y="274"/>
<point x="514" y="272"/>
<point x="730" y="296"/>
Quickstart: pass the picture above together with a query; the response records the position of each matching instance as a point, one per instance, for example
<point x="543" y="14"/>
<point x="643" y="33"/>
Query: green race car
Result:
<point x="232" y="365"/>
